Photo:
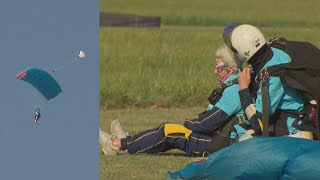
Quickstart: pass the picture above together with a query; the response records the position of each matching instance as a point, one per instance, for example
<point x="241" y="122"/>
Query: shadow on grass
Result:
<point x="175" y="154"/>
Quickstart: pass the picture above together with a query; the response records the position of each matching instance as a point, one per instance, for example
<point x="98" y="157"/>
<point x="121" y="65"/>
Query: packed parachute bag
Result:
<point x="303" y="74"/>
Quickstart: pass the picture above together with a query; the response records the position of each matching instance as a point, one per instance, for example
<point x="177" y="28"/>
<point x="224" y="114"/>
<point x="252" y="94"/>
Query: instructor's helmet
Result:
<point x="243" y="39"/>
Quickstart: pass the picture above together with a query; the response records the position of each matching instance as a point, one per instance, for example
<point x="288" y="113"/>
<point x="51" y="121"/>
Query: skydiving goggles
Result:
<point x="221" y="67"/>
<point x="227" y="35"/>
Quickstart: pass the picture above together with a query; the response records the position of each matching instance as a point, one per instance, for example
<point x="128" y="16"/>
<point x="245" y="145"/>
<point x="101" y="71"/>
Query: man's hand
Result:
<point x="244" y="78"/>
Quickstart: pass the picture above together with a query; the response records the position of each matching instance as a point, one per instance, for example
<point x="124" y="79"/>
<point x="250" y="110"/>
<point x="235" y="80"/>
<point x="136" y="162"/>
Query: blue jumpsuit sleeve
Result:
<point x="207" y="122"/>
<point x="229" y="104"/>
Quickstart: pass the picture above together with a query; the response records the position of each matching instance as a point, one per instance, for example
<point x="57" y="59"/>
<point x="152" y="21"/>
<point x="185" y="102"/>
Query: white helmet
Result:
<point x="243" y="39"/>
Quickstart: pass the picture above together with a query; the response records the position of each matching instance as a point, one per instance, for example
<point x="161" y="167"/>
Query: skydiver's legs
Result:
<point x="160" y="140"/>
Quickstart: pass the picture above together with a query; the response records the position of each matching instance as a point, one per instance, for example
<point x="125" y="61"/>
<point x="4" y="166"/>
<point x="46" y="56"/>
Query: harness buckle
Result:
<point x="261" y="77"/>
<point x="241" y="118"/>
<point x="264" y="75"/>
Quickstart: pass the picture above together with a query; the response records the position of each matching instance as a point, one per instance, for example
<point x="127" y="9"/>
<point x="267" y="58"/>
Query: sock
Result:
<point x="123" y="143"/>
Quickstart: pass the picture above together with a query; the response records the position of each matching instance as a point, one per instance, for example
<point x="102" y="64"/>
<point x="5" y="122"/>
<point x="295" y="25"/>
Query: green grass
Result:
<point x="142" y="166"/>
<point x="272" y="13"/>
<point x="166" y="67"/>
<point x="161" y="67"/>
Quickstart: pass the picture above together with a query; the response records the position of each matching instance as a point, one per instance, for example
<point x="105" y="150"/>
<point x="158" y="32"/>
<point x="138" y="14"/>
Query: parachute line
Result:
<point x="81" y="55"/>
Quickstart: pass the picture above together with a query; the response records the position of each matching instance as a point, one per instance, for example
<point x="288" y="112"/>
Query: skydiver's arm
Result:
<point x="253" y="109"/>
<point x="252" y="114"/>
<point x="228" y="105"/>
<point x="208" y="121"/>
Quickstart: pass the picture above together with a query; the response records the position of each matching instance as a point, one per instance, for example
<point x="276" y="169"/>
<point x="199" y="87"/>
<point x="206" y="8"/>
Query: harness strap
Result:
<point x="242" y="122"/>
<point x="229" y="83"/>
<point x="217" y="93"/>
<point x="265" y="102"/>
<point x="245" y="126"/>
<point x="315" y="113"/>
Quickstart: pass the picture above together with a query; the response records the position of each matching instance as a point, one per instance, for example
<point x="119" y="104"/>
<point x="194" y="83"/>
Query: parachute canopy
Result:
<point x="42" y="81"/>
<point x="259" y="158"/>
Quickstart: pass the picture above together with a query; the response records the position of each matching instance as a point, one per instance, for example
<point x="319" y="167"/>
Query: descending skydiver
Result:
<point x="37" y="115"/>
<point x="44" y="82"/>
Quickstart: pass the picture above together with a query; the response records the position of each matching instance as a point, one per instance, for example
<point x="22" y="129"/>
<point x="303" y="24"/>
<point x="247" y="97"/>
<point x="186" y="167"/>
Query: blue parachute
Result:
<point x="259" y="158"/>
<point x="42" y="81"/>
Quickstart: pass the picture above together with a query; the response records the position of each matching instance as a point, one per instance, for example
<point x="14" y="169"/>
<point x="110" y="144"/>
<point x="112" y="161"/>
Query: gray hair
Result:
<point x="228" y="57"/>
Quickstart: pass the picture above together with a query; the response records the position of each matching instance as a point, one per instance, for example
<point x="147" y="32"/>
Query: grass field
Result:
<point x="162" y="67"/>
<point x="143" y="167"/>
<point x="151" y="76"/>
<point x="170" y="66"/>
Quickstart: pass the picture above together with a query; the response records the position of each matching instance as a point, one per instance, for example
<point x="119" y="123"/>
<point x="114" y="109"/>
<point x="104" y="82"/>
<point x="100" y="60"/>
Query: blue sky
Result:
<point x="47" y="34"/>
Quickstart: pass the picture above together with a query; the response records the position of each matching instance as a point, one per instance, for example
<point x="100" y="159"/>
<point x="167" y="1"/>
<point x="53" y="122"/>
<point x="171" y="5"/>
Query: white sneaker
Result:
<point x="117" y="129"/>
<point x="105" y="140"/>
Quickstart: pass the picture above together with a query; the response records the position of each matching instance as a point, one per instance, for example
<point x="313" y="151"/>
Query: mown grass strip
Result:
<point x="272" y="13"/>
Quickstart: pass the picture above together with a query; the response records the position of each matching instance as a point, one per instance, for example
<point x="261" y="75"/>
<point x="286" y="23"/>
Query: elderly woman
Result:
<point x="211" y="131"/>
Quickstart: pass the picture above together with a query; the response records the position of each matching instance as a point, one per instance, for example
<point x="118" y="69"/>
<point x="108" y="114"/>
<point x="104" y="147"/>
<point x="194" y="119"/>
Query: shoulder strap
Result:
<point x="265" y="102"/>
<point x="279" y="43"/>
<point x="217" y="93"/>
<point x="229" y="83"/>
